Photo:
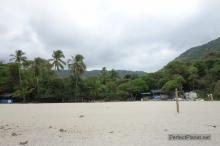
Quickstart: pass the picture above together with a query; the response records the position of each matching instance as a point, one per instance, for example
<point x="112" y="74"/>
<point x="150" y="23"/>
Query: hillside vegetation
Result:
<point x="200" y="52"/>
<point x="199" y="69"/>
<point x="201" y="75"/>
<point x="45" y="80"/>
<point x="92" y="73"/>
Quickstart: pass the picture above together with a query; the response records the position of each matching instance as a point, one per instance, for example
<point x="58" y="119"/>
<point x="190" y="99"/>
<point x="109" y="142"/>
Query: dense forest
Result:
<point x="92" y="73"/>
<point x="39" y="80"/>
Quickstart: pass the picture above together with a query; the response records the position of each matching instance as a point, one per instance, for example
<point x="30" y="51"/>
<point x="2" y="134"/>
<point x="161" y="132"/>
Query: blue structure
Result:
<point x="156" y="97"/>
<point x="153" y="94"/>
<point x="6" y="99"/>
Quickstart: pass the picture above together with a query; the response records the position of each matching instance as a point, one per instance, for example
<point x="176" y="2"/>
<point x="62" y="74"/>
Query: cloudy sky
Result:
<point x="122" y="34"/>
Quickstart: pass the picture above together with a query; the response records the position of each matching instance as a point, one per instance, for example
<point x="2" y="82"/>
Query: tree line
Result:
<point x="37" y="80"/>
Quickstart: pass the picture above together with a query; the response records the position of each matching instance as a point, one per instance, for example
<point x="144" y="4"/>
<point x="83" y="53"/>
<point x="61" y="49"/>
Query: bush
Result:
<point x="217" y="90"/>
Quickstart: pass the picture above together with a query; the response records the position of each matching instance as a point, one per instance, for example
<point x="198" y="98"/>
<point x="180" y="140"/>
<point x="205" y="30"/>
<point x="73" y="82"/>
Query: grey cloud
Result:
<point x="111" y="38"/>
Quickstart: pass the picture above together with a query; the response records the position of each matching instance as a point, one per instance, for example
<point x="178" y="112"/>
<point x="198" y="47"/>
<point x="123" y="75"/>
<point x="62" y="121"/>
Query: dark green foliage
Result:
<point x="171" y="85"/>
<point x="4" y="78"/>
<point x="134" y="87"/>
<point x="217" y="90"/>
<point x="26" y="88"/>
<point x="92" y="73"/>
<point x="92" y="87"/>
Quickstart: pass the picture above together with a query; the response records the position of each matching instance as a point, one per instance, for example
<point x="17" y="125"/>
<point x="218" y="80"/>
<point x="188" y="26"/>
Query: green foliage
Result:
<point x="4" y="78"/>
<point x="130" y="76"/>
<point x="134" y="87"/>
<point x="40" y="67"/>
<point x="93" y="87"/>
<point x="170" y="86"/>
<point x="94" y="73"/>
<point x="217" y="90"/>
<point x="113" y="75"/>
<point x="177" y="68"/>
<point x="215" y="71"/>
<point x="104" y="75"/>
<point x="13" y="75"/>
<point x="26" y="88"/>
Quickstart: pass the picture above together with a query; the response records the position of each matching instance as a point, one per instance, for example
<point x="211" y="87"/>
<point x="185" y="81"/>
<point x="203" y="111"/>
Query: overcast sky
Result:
<point x="121" y="34"/>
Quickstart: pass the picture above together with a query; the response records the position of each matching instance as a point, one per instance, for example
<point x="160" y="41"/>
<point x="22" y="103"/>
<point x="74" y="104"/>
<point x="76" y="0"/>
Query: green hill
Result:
<point x="201" y="51"/>
<point x="198" y="69"/>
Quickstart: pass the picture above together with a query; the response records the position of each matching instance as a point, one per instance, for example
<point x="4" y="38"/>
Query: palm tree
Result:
<point x="104" y="75"/>
<point x="19" y="58"/>
<point x="77" y="67"/>
<point x="57" y="61"/>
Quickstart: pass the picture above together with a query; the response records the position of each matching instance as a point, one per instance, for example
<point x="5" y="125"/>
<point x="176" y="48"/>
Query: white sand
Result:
<point x="108" y="124"/>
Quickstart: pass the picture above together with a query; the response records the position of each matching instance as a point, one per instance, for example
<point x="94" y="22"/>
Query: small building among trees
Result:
<point x="154" y="95"/>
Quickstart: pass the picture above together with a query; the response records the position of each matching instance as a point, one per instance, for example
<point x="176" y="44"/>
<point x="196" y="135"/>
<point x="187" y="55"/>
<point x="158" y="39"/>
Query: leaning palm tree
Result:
<point x="57" y="61"/>
<point x="19" y="58"/>
<point x="77" y="67"/>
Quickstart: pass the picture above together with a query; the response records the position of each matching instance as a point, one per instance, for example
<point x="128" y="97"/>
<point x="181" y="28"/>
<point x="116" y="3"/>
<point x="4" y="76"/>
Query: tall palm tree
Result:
<point x="77" y="67"/>
<point x="19" y="58"/>
<point x="104" y="75"/>
<point x="57" y="61"/>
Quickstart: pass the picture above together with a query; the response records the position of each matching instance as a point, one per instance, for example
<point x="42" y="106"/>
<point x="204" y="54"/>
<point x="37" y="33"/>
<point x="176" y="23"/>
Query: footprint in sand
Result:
<point x="62" y="130"/>
<point x="81" y="116"/>
<point x="214" y="126"/>
<point x="23" y="143"/>
<point x="165" y="130"/>
<point x="14" y="134"/>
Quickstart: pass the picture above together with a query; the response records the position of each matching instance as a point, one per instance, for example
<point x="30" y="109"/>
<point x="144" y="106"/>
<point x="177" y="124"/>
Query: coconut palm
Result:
<point x="77" y="67"/>
<point x="57" y="61"/>
<point x="104" y="75"/>
<point x="19" y="58"/>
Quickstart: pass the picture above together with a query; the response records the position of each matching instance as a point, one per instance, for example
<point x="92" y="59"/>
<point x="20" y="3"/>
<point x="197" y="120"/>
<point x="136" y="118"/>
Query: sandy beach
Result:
<point x="108" y="124"/>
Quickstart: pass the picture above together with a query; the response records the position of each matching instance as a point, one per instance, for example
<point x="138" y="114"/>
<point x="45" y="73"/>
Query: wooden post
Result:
<point x="177" y="102"/>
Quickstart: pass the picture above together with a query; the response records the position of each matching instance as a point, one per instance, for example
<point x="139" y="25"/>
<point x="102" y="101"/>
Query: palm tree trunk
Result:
<point x="37" y="86"/>
<point x="19" y="74"/>
<point x="76" y="81"/>
<point x="76" y="88"/>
